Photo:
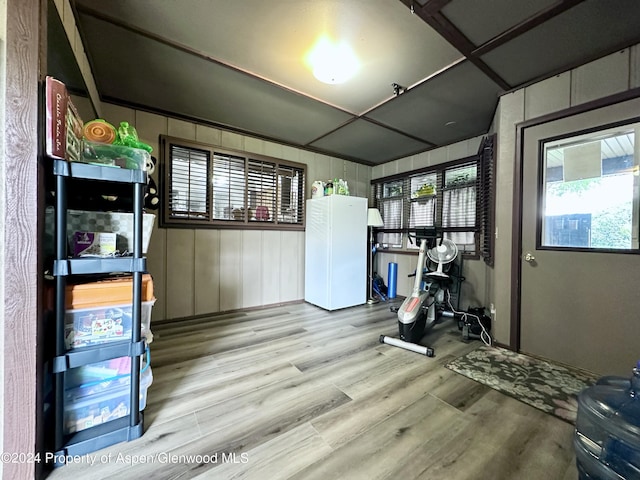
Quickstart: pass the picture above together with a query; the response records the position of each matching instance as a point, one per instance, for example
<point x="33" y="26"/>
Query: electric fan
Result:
<point x="443" y="253"/>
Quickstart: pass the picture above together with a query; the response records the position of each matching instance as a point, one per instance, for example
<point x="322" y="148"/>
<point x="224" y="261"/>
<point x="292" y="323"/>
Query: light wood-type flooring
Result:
<point x="296" y="392"/>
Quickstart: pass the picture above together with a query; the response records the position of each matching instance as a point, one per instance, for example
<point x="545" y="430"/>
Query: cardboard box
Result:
<point x="101" y="244"/>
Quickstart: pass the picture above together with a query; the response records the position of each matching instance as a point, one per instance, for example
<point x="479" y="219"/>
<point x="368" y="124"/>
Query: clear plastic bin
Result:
<point x="86" y="411"/>
<point x="114" y="155"/>
<point x="100" y="376"/>
<point x="93" y="326"/>
<point x="607" y="436"/>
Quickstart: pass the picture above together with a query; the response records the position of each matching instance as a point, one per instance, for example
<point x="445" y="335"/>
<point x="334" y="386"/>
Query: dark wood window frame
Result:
<point x="402" y="186"/>
<point x="206" y="186"/>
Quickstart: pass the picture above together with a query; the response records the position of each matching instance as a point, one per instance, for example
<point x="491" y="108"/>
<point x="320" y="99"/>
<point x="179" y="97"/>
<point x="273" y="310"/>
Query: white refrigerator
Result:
<point x="335" y="274"/>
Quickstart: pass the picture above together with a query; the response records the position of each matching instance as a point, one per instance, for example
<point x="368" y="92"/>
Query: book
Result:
<point x="63" y="123"/>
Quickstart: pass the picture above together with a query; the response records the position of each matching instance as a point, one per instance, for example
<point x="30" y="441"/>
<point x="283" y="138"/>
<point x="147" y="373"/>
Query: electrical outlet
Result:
<point x="492" y="309"/>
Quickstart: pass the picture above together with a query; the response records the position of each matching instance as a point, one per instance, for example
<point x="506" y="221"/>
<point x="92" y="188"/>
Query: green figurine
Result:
<point x="128" y="136"/>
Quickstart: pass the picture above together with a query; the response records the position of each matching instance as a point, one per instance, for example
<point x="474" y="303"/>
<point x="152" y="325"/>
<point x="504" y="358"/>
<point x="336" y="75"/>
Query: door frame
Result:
<point x="516" y="234"/>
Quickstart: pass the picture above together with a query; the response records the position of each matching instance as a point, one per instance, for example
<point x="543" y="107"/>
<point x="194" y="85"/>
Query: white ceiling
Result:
<point x="240" y="64"/>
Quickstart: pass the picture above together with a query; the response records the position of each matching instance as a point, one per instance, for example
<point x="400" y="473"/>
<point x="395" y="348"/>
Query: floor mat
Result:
<point x="543" y="385"/>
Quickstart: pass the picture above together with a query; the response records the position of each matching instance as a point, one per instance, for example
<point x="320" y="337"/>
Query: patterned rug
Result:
<point x="543" y="385"/>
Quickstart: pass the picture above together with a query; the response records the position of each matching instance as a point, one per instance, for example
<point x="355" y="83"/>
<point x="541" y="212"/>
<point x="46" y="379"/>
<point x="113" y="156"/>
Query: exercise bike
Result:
<point x="430" y="299"/>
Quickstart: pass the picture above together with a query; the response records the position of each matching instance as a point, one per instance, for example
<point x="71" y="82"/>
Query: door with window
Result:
<point x="580" y="258"/>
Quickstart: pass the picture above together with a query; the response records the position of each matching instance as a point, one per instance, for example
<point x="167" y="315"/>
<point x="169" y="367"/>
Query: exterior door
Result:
<point x="580" y="258"/>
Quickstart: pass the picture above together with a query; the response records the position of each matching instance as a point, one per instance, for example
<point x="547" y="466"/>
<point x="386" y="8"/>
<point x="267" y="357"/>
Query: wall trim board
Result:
<point x="22" y="282"/>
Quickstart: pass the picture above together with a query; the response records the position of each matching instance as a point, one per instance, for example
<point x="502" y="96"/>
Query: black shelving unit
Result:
<point x="125" y="428"/>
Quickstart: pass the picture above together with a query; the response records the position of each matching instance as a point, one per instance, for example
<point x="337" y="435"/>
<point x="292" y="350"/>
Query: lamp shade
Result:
<point x="374" y="219"/>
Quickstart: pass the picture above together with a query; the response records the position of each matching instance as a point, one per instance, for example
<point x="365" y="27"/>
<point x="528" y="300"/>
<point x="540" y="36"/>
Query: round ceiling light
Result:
<point x="332" y="62"/>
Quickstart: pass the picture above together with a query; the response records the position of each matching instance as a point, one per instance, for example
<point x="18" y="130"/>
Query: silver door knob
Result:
<point x="529" y="257"/>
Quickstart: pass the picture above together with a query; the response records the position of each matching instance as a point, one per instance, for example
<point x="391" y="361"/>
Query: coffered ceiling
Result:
<point x="241" y="64"/>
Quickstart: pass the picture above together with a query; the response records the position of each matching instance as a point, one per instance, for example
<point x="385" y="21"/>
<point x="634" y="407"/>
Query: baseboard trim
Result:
<point x="226" y="312"/>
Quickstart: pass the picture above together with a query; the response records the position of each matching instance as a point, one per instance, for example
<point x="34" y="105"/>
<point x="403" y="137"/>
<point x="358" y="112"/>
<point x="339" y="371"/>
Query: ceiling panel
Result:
<point x="191" y="86"/>
<point x="462" y="94"/>
<point x="589" y="30"/>
<point x="240" y="64"/>
<point x="369" y="142"/>
<point x="271" y="39"/>
<point x="481" y="20"/>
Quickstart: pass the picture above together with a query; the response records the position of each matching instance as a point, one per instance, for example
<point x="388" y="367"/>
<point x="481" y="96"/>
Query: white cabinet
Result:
<point x="336" y="252"/>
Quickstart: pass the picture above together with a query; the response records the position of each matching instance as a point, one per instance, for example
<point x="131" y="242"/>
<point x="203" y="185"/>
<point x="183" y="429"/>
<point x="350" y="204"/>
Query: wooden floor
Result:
<point x="295" y="392"/>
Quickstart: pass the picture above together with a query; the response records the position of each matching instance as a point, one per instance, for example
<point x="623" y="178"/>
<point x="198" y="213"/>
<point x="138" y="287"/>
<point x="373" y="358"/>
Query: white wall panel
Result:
<point x="438" y="156"/>
<point x="289" y="153"/>
<point x="548" y="96"/>
<point x="600" y="78"/>
<point x="363" y="182"/>
<point x="421" y="160"/>
<point x="180" y="273"/>
<point x="458" y="150"/>
<point x="318" y="168"/>
<point x="301" y="246"/>
<point x="231" y="140"/>
<point x="273" y="149"/>
<point x="252" y="266"/>
<point x="511" y="113"/>
<point x="405" y="164"/>
<point x="270" y="273"/>
<point x="206" y="134"/>
<point x="390" y="168"/>
<point x="254" y="145"/>
<point x="206" y="290"/>
<point x="114" y="114"/>
<point x="181" y="129"/>
<point x="634" y="67"/>
<point x="230" y="269"/>
<point x="149" y="127"/>
<point x="291" y="266"/>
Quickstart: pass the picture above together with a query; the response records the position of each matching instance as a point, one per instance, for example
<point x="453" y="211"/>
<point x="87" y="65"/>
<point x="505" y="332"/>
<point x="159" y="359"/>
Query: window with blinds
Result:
<point x="448" y="196"/>
<point x="189" y="189"/>
<point x="210" y="187"/>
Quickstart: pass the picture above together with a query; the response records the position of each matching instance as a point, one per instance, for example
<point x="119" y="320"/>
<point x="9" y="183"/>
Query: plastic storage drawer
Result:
<point x="93" y="326"/>
<point x="100" y="376"/>
<point x="82" y="412"/>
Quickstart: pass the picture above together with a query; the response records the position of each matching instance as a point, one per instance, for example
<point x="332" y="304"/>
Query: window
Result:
<point x="205" y="186"/>
<point x="447" y="195"/>
<point x="590" y="190"/>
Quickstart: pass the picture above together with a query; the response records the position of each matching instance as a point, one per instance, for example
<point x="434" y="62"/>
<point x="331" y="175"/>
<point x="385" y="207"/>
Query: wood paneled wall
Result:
<point x="606" y="76"/>
<point x="197" y="272"/>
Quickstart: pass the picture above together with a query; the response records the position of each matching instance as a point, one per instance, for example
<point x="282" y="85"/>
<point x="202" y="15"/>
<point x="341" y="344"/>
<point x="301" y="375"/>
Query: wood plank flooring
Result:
<point x="295" y="392"/>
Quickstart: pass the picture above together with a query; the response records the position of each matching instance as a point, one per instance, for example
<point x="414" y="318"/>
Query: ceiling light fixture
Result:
<point x="332" y="62"/>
